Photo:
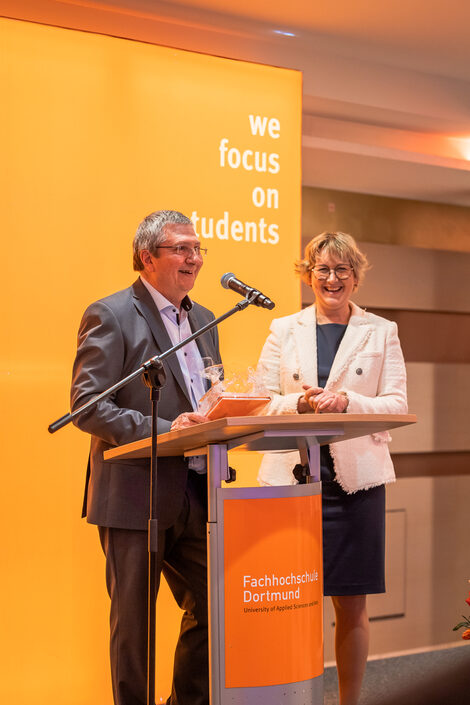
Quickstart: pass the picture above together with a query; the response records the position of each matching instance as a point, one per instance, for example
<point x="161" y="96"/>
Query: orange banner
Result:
<point x="97" y="132"/>
<point x="273" y="591"/>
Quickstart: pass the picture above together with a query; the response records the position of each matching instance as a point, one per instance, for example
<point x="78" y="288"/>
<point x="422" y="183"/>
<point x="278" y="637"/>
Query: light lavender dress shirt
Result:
<point x="177" y="326"/>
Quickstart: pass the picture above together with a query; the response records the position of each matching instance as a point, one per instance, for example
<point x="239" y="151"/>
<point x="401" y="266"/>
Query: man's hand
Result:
<point x="189" y="418"/>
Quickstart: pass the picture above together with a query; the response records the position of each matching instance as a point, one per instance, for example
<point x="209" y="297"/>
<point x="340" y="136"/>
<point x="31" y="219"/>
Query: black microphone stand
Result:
<point x="154" y="377"/>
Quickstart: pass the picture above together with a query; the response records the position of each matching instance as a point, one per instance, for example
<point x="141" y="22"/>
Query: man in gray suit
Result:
<point x="117" y="334"/>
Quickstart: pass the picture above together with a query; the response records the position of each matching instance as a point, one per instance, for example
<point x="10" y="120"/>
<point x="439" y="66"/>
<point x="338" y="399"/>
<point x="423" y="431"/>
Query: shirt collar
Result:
<point x="162" y="303"/>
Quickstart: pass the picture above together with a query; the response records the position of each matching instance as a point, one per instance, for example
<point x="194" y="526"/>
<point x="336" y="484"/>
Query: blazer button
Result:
<point x="359" y="371"/>
<point x="296" y="375"/>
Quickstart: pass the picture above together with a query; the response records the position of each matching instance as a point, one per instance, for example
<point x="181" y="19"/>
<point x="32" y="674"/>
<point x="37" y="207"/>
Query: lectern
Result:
<point x="265" y="554"/>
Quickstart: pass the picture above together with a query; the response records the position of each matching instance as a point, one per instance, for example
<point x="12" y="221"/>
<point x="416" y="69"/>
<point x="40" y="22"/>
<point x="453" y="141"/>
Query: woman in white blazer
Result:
<point x="334" y="357"/>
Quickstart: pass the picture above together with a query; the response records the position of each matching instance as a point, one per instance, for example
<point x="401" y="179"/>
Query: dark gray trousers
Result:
<point x="182" y="556"/>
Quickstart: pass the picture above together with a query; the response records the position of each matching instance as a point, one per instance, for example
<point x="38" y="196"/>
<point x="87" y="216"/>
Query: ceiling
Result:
<point x="386" y="86"/>
<point x="427" y="35"/>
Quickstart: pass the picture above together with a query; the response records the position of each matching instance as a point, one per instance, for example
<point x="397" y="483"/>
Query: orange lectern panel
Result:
<point x="273" y="591"/>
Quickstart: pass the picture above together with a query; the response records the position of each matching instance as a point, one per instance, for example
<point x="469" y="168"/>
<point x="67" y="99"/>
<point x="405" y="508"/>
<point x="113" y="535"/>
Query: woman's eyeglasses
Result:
<point x="342" y="271"/>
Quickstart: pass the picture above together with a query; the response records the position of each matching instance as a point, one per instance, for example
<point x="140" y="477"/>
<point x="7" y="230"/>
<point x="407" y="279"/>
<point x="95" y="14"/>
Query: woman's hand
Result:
<point x="189" y="418"/>
<point x="307" y="403"/>
<point x="331" y="403"/>
<point x="322" y="401"/>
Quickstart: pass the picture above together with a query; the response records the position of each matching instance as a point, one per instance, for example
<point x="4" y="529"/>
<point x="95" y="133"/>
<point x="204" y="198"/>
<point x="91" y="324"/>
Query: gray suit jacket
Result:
<point x="117" y="334"/>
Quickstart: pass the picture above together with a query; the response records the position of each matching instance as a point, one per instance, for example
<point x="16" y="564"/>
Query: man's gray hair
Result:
<point x="151" y="233"/>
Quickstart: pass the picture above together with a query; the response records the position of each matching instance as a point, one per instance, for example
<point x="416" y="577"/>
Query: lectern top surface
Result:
<point x="328" y="428"/>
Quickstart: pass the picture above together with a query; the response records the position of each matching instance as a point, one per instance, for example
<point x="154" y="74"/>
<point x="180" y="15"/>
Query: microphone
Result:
<point x="229" y="281"/>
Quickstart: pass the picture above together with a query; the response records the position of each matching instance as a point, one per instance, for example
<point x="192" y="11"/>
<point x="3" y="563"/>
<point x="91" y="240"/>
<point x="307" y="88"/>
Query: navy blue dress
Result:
<point x="353" y="524"/>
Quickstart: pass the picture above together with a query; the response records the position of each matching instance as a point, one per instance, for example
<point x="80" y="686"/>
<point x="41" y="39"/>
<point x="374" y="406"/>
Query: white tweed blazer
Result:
<point x="369" y="366"/>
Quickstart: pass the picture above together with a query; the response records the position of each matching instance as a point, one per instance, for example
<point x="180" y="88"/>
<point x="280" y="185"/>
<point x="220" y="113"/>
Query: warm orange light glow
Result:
<point x="462" y="145"/>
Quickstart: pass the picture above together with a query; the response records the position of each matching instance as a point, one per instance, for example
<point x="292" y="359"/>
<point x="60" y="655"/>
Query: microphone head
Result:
<point x="226" y="278"/>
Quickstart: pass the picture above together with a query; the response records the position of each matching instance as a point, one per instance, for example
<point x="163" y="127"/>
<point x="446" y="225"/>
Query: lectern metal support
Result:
<point x="226" y="686"/>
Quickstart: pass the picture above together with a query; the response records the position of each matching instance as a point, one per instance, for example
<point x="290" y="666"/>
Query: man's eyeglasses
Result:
<point x="342" y="271"/>
<point x="184" y="250"/>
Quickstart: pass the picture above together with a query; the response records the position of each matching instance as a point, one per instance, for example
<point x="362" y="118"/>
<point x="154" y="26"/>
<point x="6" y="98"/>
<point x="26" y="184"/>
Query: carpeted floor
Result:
<point x="431" y="678"/>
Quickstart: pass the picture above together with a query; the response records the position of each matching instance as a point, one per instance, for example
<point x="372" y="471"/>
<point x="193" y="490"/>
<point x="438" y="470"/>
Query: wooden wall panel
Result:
<point x="411" y="278"/>
<point x="439" y="394"/>
<point x="420" y="277"/>
<point x="434" y="464"/>
<point x="431" y="336"/>
<point x="381" y="219"/>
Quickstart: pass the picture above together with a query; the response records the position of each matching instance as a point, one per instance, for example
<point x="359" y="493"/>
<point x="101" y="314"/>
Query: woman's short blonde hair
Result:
<point x="339" y="245"/>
